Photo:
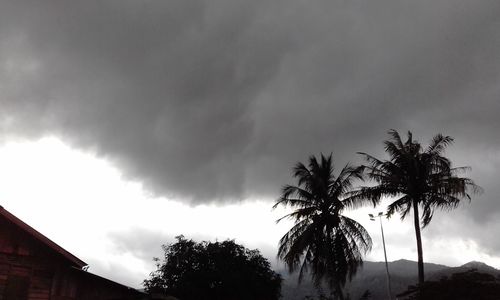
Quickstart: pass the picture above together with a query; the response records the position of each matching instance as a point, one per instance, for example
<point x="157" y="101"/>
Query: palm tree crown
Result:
<point x="417" y="178"/>
<point x="322" y="241"/>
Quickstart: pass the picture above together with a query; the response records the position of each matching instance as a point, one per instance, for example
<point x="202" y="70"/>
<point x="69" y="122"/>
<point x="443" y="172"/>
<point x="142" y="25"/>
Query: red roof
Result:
<point x="40" y="237"/>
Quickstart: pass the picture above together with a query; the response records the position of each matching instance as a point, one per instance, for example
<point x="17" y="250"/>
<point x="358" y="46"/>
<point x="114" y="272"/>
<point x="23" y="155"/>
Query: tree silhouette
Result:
<point x="366" y="295"/>
<point x="219" y="271"/>
<point x="417" y="178"/>
<point x="322" y="241"/>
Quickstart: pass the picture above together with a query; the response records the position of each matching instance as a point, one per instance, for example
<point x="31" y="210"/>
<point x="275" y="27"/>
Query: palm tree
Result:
<point x="418" y="179"/>
<point x="322" y="241"/>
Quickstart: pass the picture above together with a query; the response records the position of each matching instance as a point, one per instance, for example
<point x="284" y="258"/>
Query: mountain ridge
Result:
<point x="372" y="277"/>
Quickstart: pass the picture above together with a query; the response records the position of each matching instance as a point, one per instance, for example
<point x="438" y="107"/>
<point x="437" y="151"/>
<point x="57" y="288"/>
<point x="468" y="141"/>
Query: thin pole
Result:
<point x="389" y="290"/>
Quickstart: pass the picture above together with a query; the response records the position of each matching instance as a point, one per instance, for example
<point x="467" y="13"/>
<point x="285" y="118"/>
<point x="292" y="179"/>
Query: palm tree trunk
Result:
<point x="416" y="220"/>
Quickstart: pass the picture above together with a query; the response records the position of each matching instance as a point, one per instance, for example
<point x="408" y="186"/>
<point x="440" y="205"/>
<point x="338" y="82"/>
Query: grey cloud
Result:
<point x="458" y="225"/>
<point x="163" y="90"/>
<point x="141" y="243"/>
<point x="118" y="272"/>
<point x="146" y="244"/>
<point x="215" y="101"/>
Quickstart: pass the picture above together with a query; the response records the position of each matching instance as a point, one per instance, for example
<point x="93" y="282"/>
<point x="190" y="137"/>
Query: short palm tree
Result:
<point x="419" y="179"/>
<point x="322" y="241"/>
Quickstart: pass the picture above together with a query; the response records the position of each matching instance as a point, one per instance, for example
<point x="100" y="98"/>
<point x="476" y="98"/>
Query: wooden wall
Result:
<point x="27" y="267"/>
<point x="30" y="270"/>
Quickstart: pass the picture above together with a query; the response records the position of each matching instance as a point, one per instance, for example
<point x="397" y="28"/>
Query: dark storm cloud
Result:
<point x="216" y="100"/>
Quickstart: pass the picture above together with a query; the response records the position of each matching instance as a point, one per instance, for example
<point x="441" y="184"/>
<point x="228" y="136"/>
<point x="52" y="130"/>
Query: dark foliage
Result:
<point x="220" y="270"/>
<point x="323" y="241"/>
<point x="460" y="286"/>
<point x="366" y="295"/>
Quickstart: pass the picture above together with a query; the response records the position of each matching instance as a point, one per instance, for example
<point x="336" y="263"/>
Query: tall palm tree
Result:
<point x="322" y="241"/>
<point x="419" y="179"/>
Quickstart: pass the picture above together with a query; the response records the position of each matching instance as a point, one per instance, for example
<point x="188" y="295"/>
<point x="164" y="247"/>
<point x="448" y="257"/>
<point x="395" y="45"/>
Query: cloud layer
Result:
<point x="215" y="101"/>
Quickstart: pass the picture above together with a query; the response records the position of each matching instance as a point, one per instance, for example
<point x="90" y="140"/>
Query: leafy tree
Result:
<point x="322" y="241"/>
<point x="419" y="179"/>
<point x="207" y="270"/>
<point x="461" y="286"/>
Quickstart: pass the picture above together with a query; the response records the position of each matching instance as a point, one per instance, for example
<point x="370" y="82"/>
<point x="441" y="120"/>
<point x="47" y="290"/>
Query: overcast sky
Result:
<point x="129" y="122"/>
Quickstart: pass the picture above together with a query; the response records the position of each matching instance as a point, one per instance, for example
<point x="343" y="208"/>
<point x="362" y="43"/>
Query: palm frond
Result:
<point x="361" y="197"/>
<point x="299" y="214"/>
<point x="395" y="137"/>
<point x="344" y="182"/>
<point x="402" y="205"/>
<point x="438" y="144"/>
<point x="373" y="161"/>
<point x="357" y="233"/>
<point x="294" y="196"/>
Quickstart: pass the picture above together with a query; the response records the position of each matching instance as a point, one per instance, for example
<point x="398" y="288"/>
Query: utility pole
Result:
<point x="379" y="216"/>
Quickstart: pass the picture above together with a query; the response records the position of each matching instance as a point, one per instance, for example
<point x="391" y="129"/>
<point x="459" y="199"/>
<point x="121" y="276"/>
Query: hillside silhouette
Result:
<point x="372" y="277"/>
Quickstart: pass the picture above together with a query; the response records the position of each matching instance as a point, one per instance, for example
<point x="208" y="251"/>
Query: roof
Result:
<point x="43" y="239"/>
<point x="109" y="281"/>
